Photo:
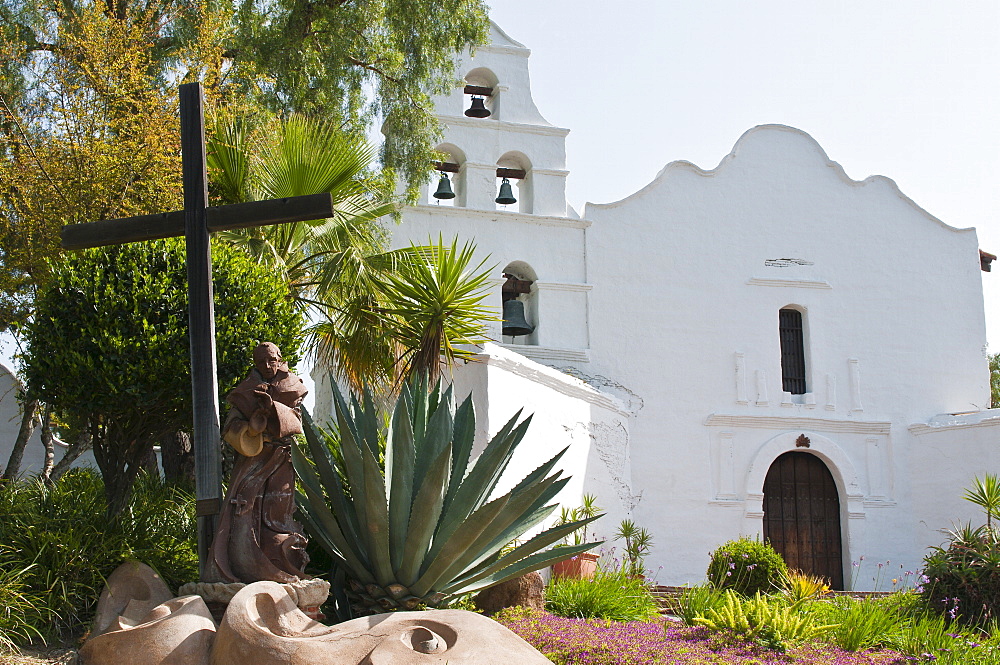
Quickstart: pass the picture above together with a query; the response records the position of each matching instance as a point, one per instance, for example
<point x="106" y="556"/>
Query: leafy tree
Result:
<point x="88" y="91"/>
<point x="107" y="347"/>
<point x="994" y="380"/>
<point x="86" y="132"/>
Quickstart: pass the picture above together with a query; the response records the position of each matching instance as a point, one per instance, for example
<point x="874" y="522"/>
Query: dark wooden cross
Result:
<point x="195" y="223"/>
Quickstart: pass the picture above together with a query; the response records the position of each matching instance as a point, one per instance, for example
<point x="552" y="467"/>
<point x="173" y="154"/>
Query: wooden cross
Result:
<point x="195" y="223"/>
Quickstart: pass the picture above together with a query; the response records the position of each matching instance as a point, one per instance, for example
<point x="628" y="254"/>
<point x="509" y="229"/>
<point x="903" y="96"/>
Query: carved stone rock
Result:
<point x="524" y="591"/>
<point x="130" y="592"/>
<point x="179" y="631"/>
<point x="264" y="627"/>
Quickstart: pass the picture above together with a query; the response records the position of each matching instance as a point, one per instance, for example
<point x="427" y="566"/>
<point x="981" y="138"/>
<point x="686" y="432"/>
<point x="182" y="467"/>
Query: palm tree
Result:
<point x="368" y="303"/>
<point x="273" y="159"/>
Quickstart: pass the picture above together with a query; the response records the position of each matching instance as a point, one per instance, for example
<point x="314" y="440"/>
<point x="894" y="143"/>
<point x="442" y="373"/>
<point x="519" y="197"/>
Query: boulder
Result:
<point x="130" y="592"/>
<point x="177" y="632"/>
<point x="524" y="591"/>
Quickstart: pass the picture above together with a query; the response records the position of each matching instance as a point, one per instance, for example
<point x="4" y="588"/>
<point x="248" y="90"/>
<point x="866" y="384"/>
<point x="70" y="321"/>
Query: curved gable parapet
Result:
<point x="499" y="39"/>
<point x="760" y="144"/>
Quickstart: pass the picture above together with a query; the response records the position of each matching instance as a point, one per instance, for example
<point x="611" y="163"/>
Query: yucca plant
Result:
<point x="423" y="526"/>
<point x="985" y="493"/>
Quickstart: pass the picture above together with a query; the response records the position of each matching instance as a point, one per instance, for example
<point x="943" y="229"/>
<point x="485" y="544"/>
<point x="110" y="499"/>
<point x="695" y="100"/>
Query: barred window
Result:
<point x="793" y="354"/>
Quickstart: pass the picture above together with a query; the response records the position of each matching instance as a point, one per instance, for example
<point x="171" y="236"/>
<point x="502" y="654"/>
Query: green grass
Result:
<point x="611" y="594"/>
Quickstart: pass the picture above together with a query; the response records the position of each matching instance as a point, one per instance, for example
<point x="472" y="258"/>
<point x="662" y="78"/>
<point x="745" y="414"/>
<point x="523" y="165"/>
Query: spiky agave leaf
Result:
<point x="424" y="524"/>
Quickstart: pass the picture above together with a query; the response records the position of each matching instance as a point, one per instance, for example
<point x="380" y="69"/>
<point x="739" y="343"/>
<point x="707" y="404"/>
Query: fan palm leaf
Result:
<point x="378" y="314"/>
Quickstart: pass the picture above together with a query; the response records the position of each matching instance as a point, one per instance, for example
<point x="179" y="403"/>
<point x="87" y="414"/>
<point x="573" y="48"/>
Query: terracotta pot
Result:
<point x="582" y="566"/>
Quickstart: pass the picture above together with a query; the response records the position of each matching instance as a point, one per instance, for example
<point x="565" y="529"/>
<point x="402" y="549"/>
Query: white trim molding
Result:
<point x="564" y="286"/>
<point x="545" y="130"/>
<point x="795" y="283"/>
<point x="504" y="216"/>
<point x="543" y="353"/>
<point x="797" y="422"/>
<point x="949" y="423"/>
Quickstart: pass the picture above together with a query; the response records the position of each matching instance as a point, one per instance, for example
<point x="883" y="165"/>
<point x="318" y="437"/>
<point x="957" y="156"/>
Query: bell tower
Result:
<point x="499" y="132"/>
<point x="502" y="184"/>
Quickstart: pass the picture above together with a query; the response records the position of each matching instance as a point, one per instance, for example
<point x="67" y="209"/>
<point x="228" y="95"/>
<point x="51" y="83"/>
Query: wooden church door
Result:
<point x="802" y="516"/>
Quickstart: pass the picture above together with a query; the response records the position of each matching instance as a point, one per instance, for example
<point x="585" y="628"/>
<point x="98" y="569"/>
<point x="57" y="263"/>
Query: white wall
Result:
<point x="10" y="423"/>
<point x="894" y="334"/>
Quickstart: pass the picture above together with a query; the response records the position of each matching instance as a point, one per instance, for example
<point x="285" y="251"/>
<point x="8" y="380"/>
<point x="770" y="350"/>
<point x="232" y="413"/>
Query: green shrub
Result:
<point x="799" y="587"/>
<point x="611" y="594"/>
<point x="698" y="600"/>
<point x="962" y="579"/>
<point x="107" y="347"/>
<point x="61" y="539"/>
<point x="747" y="567"/>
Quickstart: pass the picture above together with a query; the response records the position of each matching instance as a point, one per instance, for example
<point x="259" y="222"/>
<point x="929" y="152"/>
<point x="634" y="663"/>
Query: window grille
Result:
<point x="793" y="354"/>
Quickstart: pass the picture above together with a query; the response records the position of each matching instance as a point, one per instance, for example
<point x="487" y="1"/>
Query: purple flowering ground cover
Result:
<point x="600" y="642"/>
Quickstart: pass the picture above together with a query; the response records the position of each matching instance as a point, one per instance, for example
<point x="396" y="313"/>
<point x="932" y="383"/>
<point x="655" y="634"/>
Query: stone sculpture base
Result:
<point x="139" y="624"/>
<point x="308" y="595"/>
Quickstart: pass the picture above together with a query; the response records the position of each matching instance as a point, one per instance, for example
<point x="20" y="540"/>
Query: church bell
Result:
<point x="444" y="188"/>
<point x="514" y="323"/>
<point x="506" y="193"/>
<point x="478" y="109"/>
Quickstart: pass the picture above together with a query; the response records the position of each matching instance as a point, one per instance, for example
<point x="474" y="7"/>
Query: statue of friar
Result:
<point x="257" y="539"/>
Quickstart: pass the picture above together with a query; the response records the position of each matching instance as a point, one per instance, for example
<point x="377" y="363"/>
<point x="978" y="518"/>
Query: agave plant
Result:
<point x="422" y="526"/>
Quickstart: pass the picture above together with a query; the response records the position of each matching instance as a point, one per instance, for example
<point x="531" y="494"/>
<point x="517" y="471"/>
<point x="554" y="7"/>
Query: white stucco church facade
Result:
<point x="763" y="348"/>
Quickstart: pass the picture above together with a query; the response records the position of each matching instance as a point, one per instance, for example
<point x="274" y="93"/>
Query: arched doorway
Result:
<point x="802" y="515"/>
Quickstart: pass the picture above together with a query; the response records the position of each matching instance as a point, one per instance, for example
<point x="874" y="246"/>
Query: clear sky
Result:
<point x="908" y="89"/>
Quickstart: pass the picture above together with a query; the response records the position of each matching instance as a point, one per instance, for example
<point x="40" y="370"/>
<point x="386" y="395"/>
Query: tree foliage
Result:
<point x="321" y="260"/>
<point x="108" y="346"/>
<point x="320" y="58"/>
<point x="994" y="380"/>
<point x="88" y="89"/>
<point x="86" y="133"/>
<point x="434" y="306"/>
<point x="380" y="314"/>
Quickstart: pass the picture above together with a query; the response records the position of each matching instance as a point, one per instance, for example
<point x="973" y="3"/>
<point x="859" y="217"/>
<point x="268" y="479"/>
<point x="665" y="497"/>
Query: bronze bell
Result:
<point x="444" y="188"/>
<point x="478" y="109"/>
<point x="514" y="323"/>
<point x="506" y="193"/>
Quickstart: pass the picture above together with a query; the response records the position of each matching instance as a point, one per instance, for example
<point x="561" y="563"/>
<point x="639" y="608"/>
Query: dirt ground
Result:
<point x="41" y="656"/>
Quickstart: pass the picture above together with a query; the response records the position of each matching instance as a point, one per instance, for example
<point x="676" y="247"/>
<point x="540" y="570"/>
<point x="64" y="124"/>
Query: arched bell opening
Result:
<point x="480" y="94"/>
<point x="802" y="511"/>
<point x="447" y="186"/>
<point x="519" y="298"/>
<point x="514" y="185"/>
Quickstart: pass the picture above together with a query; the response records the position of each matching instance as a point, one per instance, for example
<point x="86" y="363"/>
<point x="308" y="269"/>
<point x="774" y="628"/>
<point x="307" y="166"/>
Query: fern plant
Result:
<point x="423" y="526"/>
<point x="772" y="624"/>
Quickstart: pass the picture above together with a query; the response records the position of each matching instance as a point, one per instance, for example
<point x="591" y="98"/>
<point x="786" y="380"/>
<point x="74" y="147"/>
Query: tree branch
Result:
<point x="372" y="68"/>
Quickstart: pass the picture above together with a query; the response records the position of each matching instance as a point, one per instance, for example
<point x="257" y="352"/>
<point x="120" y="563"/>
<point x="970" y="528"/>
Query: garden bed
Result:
<point x="600" y="642"/>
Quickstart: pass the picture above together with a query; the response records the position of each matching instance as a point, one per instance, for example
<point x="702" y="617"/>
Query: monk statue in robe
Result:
<point x="257" y="539"/>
